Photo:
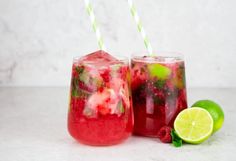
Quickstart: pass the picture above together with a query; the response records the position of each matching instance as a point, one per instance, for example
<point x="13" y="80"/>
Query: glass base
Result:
<point x="103" y="144"/>
<point x="146" y="134"/>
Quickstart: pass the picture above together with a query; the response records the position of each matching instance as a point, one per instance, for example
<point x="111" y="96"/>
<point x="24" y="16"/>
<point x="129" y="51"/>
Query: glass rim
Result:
<point x="120" y="59"/>
<point x="171" y="56"/>
<point x="159" y="53"/>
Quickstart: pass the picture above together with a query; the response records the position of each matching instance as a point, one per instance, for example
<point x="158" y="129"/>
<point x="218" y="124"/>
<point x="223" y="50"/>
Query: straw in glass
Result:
<point x="140" y="27"/>
<point x="93" y="20"/>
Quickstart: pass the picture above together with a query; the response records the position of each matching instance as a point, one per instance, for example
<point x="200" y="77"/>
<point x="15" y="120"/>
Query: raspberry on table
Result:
<point x="165" y="134"/>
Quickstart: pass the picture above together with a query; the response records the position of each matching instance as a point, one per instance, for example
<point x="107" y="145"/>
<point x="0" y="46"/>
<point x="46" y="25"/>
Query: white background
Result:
<point x="39" y="38"/>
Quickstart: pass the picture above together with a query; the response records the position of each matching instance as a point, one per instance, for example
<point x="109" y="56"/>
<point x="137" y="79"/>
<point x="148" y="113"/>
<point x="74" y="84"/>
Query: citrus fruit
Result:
<point x="214" y="109"/>
<point x="194" y="125"/>
<point x="159" y="71"/>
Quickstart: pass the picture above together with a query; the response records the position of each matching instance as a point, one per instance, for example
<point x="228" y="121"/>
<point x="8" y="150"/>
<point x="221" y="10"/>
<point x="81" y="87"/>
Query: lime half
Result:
<point x="194" y="125"/>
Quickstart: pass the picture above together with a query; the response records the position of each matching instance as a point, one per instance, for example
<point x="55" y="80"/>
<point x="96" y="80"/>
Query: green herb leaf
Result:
<point x="121" y="107"/>
<point x="74" y="93"/>
<point x="79" y="70"/>
<point x="157" y="100"/>
<point x="84" y="77"/>
<point x="74" y="86"/>
<point x="143" y="70"/>
<point x="176" y="140"/>
<point x="159" y="84"/>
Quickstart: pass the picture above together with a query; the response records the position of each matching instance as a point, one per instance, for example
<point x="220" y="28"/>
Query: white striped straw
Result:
<point x="93" y="20"/>
<point x="140" y="27"/>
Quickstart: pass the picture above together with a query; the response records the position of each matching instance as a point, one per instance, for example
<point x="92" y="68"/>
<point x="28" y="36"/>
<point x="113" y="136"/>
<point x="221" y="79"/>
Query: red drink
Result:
<point x="100" y="111"/>
<point x="158" y="92"/>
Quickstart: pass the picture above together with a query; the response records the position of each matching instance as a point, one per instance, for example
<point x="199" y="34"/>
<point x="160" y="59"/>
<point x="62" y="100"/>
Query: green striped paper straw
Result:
<point x="140" y="27"/>
<point x="93" y="20"/>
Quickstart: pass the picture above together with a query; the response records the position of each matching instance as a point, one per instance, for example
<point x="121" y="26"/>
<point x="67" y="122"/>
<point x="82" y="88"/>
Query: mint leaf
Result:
<point x="157" y="100"/>
<point x="84" y="77"/>
<point x="176" y="140"/>
<point x="79" y="70"/>
<point x="143" y="70"/>
<point x="74" y="93"/>
<point x="74" y="86"/>
<point x="121" y="107"/>
<point x="159" y="84"/>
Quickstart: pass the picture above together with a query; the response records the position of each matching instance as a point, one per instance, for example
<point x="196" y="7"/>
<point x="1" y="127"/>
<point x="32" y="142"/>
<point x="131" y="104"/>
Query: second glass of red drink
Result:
<point x="158" y="92"/>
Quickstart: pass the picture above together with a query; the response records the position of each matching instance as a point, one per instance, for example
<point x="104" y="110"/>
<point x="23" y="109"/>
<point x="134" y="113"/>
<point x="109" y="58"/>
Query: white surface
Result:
<point x="33" y="128"/>
<point x="38" y="38"/>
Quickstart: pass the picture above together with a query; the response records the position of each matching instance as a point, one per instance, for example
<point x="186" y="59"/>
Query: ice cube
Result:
<point x="99" y="57"/>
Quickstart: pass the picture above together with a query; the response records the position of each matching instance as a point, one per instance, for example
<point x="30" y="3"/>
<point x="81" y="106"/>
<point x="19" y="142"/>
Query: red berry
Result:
<point x="103" y="110"/>
<point x="106" y="75"/>
<point x="123" y="72"/>
<point x="77" y="106"/>
<point x="83" y="86"/>
<point x="77" y="103"/>
<point x="136" y="82"/>
<point x="158" y="93"/>
<point x="181" y="101"/>
<point x="74" y="72"/>
<point x="100" y="89"/>
<point x="165" y="134"/>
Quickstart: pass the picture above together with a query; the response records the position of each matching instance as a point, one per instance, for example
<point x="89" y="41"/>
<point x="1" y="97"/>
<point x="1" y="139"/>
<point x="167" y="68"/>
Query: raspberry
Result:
<point x="77" y="103"/>
<point x="83" y="86"/>
<point x="77" y="107"/>
<point x="165" y="134"/>
<point x="158" y="93"/>
<point x="182" y="103"/>
<point x="123" y="72"/>
<point x="106" y="75"/>
<point x="103" y="110"/>
<point x="76" y="70"/>
<point x="100" y="89"/>
<point x="136" y="82"/>
<point x="74" y="73"/>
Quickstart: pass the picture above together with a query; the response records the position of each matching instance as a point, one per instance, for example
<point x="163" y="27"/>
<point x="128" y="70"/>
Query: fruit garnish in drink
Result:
<point x="214" y="109"/>
<point x="105" y="102"/>
<point x="159" y="71"/>
<point x="139" y="74"/>
<point x="194" y="125"/>
<point x="179" y="79"/>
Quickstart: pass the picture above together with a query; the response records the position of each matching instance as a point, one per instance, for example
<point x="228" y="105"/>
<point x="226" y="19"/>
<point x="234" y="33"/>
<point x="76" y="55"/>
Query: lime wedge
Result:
<point x="194" y="125"/>
<point x="159" y="71"/>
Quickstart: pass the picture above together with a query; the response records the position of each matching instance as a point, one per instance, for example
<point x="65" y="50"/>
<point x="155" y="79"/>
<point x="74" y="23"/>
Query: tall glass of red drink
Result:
<point x="100" y="111"/>
<point x="158" y="92"/>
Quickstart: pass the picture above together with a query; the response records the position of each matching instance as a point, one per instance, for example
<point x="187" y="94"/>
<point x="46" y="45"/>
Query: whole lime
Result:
<point x="214" y="109"/>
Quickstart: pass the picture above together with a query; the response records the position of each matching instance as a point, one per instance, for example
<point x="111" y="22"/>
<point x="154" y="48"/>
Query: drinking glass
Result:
<point x="158" y="91"/>
<point x="100" y="108"/>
